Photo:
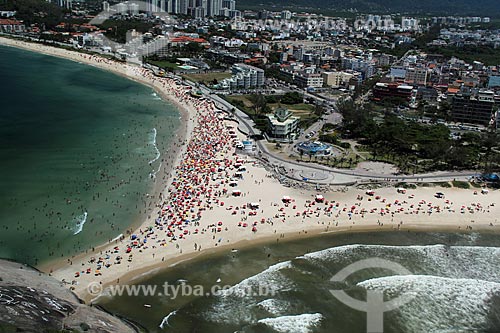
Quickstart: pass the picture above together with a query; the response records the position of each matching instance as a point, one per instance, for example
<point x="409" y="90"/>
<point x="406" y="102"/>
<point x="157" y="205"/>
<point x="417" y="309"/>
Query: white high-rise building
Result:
<point x="229" y="4"/>
<point x="157" y="6"/>
<point x="105" y="6"/>
<point x="409" y="23"/>
<point x="122" y="8"/>
<point x="195" y="8"/>
<point x="183" y="6"/>
<point x="65" y="3"/>
<point x="213" y="7"/>
<point x="286" y="15"/>
<point x="175" y="5"/>
<point x="133" y="8"/>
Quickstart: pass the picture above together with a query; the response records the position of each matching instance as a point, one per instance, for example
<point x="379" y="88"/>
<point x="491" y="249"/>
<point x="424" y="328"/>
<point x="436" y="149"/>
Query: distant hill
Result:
<point x="434" y="7"/>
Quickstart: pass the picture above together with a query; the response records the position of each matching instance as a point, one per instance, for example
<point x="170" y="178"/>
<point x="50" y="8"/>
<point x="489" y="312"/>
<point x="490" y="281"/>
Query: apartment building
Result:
<point x="474" y="108"/>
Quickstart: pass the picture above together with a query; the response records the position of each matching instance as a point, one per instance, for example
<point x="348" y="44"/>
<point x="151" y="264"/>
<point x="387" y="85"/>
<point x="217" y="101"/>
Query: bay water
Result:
<point x="78" y="148"/>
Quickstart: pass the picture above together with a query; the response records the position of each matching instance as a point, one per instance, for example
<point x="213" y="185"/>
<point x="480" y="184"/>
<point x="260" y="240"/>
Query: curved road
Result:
<point x="339" y="176"/>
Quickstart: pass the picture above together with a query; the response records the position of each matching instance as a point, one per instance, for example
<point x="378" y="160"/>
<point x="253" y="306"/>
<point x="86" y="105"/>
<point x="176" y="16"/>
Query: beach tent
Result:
<point x="401" y="190"/>
<point x="319" y="198"/>
<point x="236" y="193"/>
<point x="254" y="205"/>
<point x="286" y="199"/>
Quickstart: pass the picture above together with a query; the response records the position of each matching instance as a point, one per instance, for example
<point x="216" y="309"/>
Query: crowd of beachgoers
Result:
<point x="209" y="196"/>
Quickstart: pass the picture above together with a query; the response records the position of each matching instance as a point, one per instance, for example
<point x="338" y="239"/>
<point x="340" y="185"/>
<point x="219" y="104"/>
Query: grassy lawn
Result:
<point x="242" y="102"/>
<point x="460" y="184"/>
<point x="207" y="77"/>
<point x="163" y="64"/>
<point x="378" y="107"/>
<point x="304" y="111"/>
<point x="241" y="98"/>
<point x="299" y="110"/>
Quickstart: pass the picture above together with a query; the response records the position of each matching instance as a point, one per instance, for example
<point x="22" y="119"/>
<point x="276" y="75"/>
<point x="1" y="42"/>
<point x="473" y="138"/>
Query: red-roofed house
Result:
<point x="11" y="26"/>
<point x="187" y="39"/>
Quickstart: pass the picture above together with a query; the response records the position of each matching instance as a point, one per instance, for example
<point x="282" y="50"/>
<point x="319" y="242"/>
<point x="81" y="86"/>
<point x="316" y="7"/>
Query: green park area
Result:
<point x="207" y="77"/>
<point x="257" y="106"/>
<point x="163" y="64"/>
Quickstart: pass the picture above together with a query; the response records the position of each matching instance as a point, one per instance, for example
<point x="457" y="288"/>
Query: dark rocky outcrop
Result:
<point x="31" y="301"/>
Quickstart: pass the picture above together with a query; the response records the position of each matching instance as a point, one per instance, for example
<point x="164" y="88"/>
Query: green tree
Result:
<point x="35" y="12"/>
<point x="259" y="103"/>
<point x="292" y="97"/>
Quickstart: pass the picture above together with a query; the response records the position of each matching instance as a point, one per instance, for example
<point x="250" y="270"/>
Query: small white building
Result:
<point x="11" y="26"/>
<point x="282" y="124"/>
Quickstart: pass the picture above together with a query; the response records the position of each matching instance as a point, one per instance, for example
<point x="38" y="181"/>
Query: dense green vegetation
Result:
<point x="293" y="97"/>
<point x="460" y="184"/>
<point x="117" y="29"/>
<point x="168" y="64"/>
<point x="469" y="53"/>
<point x="256" y="110"/>
<point x="416" y="147"/>
<point x="258" y="105"/>
<point x="445" y="7"/>
<point x="485" y="54"/>
<point x="34" y="11"/>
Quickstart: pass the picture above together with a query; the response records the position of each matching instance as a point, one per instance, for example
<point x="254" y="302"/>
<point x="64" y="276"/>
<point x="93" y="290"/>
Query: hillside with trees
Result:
<point x="444" y="7"/>
<point x="34" y="11"/>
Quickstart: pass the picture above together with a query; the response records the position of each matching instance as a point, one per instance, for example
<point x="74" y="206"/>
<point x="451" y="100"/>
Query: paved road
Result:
<point x="295" y="169"/>
<point x="339" y="175"/>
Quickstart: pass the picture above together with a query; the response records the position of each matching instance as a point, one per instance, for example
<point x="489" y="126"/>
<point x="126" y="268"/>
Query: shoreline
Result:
<point x="144" y="273"/>
<point x="181" y="134"/>
<point x="205" y="164"/>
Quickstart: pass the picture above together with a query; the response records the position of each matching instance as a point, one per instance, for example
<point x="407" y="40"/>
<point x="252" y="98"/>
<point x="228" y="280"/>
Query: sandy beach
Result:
<point x="208" y="198"/>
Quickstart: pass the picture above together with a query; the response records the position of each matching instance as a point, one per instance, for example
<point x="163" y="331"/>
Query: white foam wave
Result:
<point x="166" y="318"/>
<point x="153" y="174"/>
<point x="234" y="304"/>
<point x="117" y="238"/>
<point x="275" y="306"/>
<point x="269" y="278"/>
<point x="334" y="252"/>
<point x="440" y="260"/>
<point x="153" y="143"/>
<point x="78" y="222"/>
<point x="440" y="304"/>
<point x="303" y="323"/>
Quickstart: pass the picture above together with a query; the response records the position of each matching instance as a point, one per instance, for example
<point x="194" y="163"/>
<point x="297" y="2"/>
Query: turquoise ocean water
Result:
<point x="77" y="147"/>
